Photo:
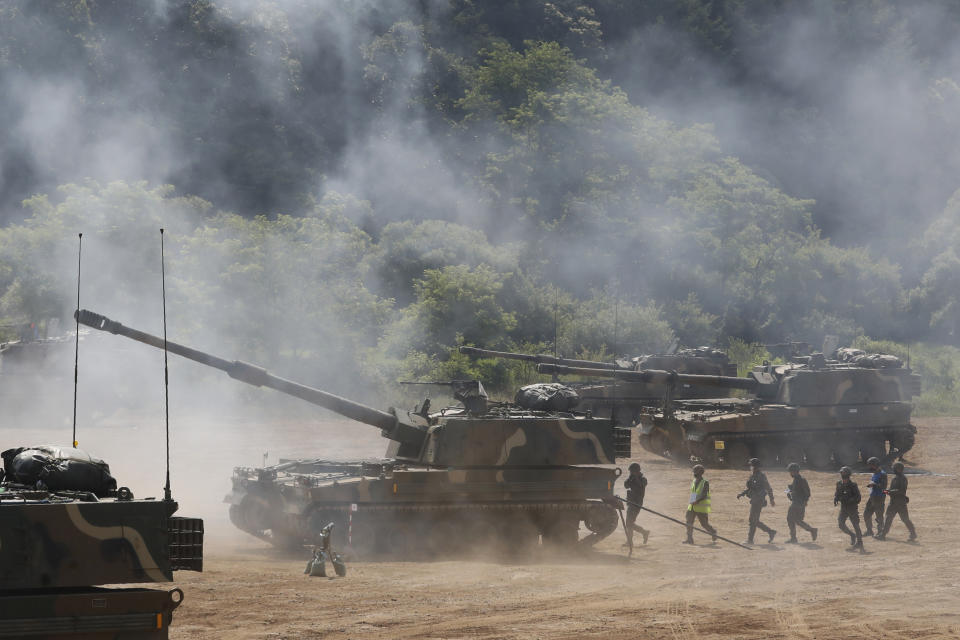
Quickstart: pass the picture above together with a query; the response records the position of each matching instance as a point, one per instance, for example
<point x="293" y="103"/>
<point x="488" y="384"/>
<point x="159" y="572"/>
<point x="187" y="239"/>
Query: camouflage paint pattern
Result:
<point x="832" y="414"/>
<point x="513" y="472"/>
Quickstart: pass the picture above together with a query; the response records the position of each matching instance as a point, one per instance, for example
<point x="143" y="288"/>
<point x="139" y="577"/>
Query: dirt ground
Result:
<point x="666" y="590"/>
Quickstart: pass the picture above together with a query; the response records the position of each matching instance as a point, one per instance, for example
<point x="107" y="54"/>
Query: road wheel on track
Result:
<point x="442" y="535"/>
<point x="737" y="454"/>
<point x="561" y="532"/>
<point x="767" y="451"/>
<point x="790" y="452"/>
<point x="818" y="454"/>
<point x="484" y="535"/>
<point x="874" y="446"/>
<point x="255" y="513"/>
<point x="520" y="536"/>
<point x="399" y="539"/>
<point x="846" y="452"/>
<point x="601" y="520"/>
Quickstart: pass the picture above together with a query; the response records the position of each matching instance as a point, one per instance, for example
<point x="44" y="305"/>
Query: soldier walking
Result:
<point x="898" y="503"/>
<point x="877" y="498"/>
<point x="799" y="494"/>
<point x="848" y="497"/>
<point x="699" y="505"/>
<point x="758" y="488"/>
<point x="636" y="485"/>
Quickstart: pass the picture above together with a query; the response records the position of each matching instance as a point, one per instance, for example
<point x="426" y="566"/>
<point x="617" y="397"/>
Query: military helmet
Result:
<point x="873" y="460"/>
<point x="898" y="466"/>
<point x="845" y="472"/>
<point x="698" y="469"/>
<point x="634" y="466"/>
<point x="754" y="462"/>
<point x="793" y="466"/>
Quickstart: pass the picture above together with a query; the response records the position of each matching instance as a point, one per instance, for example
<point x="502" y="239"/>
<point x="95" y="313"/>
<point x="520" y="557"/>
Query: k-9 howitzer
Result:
<point x="815" y="411"/>
<point x="514" y="473"/>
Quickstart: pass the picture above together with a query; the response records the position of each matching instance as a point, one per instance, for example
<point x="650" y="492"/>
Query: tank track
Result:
<point x="439" y="529"/>
<point x="825" y="448"/>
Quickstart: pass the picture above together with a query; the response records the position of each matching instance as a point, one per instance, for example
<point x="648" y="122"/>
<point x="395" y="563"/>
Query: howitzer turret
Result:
<point x="512" y="471"/>
<point x="818" y="410"/>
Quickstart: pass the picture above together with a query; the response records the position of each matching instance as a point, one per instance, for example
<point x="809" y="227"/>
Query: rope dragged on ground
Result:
<point x="657" y="513"/>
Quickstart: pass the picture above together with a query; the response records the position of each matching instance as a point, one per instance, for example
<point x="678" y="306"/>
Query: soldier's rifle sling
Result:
<point x="657" y="513"/>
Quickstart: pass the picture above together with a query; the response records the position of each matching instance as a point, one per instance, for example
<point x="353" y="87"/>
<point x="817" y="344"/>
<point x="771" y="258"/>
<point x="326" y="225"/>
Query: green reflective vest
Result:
<point x="704" y="505"/>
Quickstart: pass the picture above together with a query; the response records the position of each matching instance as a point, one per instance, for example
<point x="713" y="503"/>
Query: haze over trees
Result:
<point x="368" y="184"/>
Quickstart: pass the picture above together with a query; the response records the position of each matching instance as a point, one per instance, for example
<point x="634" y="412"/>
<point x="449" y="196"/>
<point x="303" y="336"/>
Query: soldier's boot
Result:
<point x="869" y="531"/>
<point x="853" y="540"/>
<point x="793" y="540"/>
<point x="859" y="544"/>
<point x="771" y="533"/>
<point x="688" y="541"/>
<point x="646" y="534"/>
<point x="813" y="533"/>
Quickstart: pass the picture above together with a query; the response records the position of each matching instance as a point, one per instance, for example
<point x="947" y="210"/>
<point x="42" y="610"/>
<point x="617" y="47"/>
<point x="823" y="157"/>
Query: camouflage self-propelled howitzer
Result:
<point x="66" y="528"/>
<point x="818" y="410"/>
<point x="625" y="399"/>
<point x="480" y="473"/>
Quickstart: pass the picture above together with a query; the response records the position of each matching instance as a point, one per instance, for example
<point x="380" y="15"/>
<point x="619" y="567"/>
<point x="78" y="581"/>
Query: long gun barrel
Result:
<point x="259" y="377"/>
<point x="538" y="358"/>
<point x="654" y="376"/>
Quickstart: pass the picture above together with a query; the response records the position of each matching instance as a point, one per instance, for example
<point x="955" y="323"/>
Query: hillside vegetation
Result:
<point x="367" y="185"/>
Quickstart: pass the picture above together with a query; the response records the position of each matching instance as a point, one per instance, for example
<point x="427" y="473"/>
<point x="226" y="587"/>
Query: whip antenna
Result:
<point x="556" y="324"/>
<point x="166" y="375"/>
<point x="76" y="351"/>
<point x="616" y="330"/>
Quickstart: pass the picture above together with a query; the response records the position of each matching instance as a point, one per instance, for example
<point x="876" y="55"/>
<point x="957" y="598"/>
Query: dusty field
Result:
<point x="667" y="590"/>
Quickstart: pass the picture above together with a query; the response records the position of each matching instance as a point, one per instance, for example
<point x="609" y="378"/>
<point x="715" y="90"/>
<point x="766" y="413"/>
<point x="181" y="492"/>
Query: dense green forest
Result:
<point x="366" y="185"/>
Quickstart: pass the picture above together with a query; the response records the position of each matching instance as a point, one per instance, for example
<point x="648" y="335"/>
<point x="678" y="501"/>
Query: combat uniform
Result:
<point x="875" y="502"/>
<point x="848" y="497"/>
<point x="700" y="491"/>
<point x="799" y="494"/>
<point x="758" y="488"/>
<point x="898" y="506"/>
<point x="636" y="490"/>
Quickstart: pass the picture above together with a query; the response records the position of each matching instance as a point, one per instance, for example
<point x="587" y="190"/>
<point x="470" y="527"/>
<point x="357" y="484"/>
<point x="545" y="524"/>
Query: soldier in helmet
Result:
<point x="636" y="485"/>
<point x="699" y="505"/>
<point x="758" y="488"/>
<point x="877" y="497"/>
<point x="799" y="494"/>
<point x="898" y="503"/>
<point x="848" y="497"/>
